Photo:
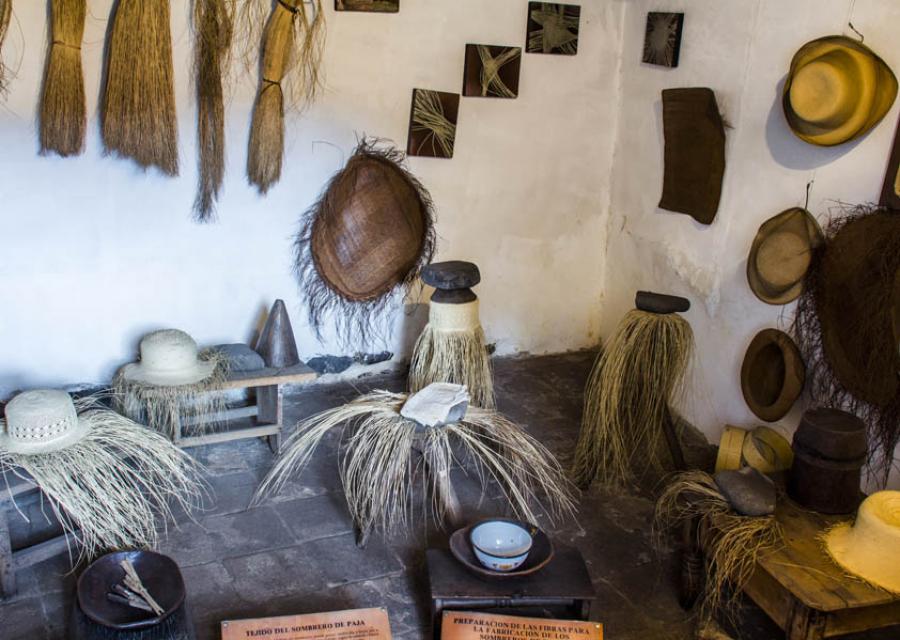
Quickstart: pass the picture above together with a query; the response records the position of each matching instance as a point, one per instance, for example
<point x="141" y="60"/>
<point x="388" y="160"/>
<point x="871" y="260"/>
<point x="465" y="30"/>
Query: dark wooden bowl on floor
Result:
<point x="540" y="555"/>
<point x="159" y="573"/>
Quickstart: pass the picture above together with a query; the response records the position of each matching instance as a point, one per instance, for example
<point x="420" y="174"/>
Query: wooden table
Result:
<point x="563" y="587"/>
<point x="809" y="596"/>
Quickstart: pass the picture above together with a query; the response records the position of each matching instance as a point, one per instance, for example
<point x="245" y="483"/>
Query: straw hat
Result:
<point x="772" y="374"/>
<point x="168" y="358"/>
<point x="41" y="421"/>
<point x="837" y="90"/>
<point x="780" y="255"/>
<point x="870" y="547"/>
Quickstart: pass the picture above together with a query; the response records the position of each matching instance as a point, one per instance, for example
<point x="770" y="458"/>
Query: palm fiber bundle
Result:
<point x="629" y="395"/>
<point x="732" y="542"/>
<point x="452" y="349"/>
<point x="378" y="461"/>
<point x="844" y="326"/>
<point x="63" y="119"/>
<point x="138" y="116"/>
<point x="197" y="407"/>
<point x="108" y="489"/>
<point x="363" y="242"/>
<point x="5" y="17"/>
<point x="291" y="46"/>
<point x="214" y="27"/>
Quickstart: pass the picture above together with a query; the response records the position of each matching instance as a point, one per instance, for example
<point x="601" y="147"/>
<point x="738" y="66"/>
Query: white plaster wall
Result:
<point x="741" y="49"/>
<point x="94" y="253"/>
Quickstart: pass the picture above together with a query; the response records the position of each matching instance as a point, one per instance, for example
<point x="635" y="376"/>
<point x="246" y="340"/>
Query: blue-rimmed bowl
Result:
<point x="501" y="544"/>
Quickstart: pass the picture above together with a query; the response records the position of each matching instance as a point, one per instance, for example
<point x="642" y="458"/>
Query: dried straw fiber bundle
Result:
<point x="378" y="463"/>
<point x="214" y="28"/>
<point x="291" y="46"/>
<point x="5" y="17"/>
<point x="363" y="242"/>
<point x="732" y="542"/>
<point x="107" y="479"/>
<point x="138" y="117"/>
<point x="629" y="395"/>
<point x="63" y="119"/>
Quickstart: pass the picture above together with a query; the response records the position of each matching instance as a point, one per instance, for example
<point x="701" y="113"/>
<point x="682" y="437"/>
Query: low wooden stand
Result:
<point x="809" y="596"/>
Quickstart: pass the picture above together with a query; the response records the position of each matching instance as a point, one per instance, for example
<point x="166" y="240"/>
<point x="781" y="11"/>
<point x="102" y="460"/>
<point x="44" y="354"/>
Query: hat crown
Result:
<point x="40" y="417"/>
<point x="825" y="91"/>
<point x="782" y="259"/>
<point x="168" y="350"/>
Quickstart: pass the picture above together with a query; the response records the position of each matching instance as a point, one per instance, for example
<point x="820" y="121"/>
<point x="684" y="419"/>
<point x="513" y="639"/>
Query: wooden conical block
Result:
<point x="276" y="343"/>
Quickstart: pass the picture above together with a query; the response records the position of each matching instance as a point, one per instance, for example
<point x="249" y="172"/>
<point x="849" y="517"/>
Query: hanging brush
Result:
<point x="63" y="118"/>
<point x="138" y="117"/>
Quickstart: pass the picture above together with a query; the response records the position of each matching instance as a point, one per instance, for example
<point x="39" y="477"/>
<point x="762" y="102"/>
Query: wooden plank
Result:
<point x="40" y="552"/>
<point x="864" y="619"/>
<point x="235" y="413"/>
<point x="13" y="486"/>
<point x="228" y="436"/>
<point x="269" y="376"/>
<point x="7" y="568"/>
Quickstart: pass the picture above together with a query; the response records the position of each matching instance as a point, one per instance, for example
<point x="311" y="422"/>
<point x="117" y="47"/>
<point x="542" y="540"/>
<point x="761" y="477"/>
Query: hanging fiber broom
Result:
<point x="63" y="119"/>
<point x="138" y="116"/>
<point x="5" y="17"/>
<point x="291" y="45"/>
<point x="214" y="26"/>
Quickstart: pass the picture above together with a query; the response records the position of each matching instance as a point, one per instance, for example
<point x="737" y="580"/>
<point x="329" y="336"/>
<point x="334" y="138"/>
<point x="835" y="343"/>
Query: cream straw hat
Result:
<point x="41" y="421"/>
<point x="168" y="358"/>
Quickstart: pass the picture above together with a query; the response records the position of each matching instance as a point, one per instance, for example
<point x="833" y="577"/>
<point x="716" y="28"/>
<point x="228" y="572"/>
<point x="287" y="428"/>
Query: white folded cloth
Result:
<point x="437" y="404"/>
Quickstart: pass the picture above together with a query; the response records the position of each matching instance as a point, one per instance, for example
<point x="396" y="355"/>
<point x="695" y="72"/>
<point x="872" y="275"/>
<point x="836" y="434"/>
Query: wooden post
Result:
<point x="7" y="566"/>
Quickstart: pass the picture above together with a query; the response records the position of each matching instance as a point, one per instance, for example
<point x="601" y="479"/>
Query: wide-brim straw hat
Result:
<point x="168" y="358"/>
<point x="837" y="90"/>
<point x="772" y="374"/>
<point x="870" y="547"/>
<point x="781" y="254"/>
<point x="41" y="421"/>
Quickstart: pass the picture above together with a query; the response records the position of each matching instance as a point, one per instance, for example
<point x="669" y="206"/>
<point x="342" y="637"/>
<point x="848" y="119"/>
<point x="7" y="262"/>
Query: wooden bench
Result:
<point x="807" y="594"/>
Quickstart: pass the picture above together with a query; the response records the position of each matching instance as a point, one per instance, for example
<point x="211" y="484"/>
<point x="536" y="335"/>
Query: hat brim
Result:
<point x="771" y="344"/>
<point x="801" y="222"/>
<point x="877" y="72"/>
<point x="136" y="372"/>
<point x="14" y="446"/>
<point x="848" y="551"/>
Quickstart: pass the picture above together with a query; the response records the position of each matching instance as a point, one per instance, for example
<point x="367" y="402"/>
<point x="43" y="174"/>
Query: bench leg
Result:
<point x="804" y="623"/>
<point x="271" y="411"/>
<point x="7" y="565"/>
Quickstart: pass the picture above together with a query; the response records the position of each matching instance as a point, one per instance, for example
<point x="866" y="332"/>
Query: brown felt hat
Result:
<point x="694" y="153"/>
<point x="837" y="90"/>
<point x="780" y="255"/>
<point x="772" y="374"/>
<point x="856" y="306"/>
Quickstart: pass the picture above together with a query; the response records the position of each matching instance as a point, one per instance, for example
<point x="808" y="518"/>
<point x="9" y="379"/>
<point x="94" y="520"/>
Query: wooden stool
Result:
<point x="563" y="587"/>
<point x="805" y="593"/>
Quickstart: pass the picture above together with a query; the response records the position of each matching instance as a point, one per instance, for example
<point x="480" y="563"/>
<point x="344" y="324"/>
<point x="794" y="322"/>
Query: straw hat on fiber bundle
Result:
<point x="837" y="90"/>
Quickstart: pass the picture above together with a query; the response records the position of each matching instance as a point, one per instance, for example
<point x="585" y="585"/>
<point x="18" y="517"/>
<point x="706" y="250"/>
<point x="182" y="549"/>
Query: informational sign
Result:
<point x="464" y="625"/>
<point x="355" y="624"/>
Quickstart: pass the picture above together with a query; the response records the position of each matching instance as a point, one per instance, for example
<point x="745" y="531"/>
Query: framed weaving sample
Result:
<point x="370" y="6"/>
<point x="432" y="123"/>
<point x="662" y="40"/>
<point x="492" y="71"/>
<point x="553" y="28"/>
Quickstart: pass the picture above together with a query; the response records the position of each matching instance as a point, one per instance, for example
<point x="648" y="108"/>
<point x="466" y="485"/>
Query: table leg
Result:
<point x="437" y="612"/>
<point x="7" y="565"/>
<point x="804" y="623"/>
<point x="271" y="411"/>
<point x="692" y="565"/>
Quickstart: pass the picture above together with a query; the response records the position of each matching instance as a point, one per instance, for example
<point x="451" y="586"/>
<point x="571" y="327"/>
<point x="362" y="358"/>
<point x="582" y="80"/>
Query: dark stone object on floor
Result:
<point x="749" y="492"/>
<point x="330" y="364"/>
<point x="373" y="358"/>
<point x="241" y="357"/>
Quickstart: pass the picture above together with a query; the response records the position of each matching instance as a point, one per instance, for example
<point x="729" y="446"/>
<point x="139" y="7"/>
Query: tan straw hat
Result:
<point x="772" y="374"/>
<point x="780" y="255"/>
<point x="41" y="421"/>
<point x="837" y="90"/>
<point x="168" y="358"/>
<point x="870" y="548"/>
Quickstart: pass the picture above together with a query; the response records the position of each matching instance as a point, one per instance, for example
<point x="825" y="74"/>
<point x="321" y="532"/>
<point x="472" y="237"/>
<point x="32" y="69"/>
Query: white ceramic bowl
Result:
<point x="500" y="545"/>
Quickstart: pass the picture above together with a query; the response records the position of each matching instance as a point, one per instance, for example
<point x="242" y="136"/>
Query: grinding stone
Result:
<point x="454" y="274"/>
<point x="749" y="492"/>
<point x="240" y="357"/>
<point x="660" y="302"/>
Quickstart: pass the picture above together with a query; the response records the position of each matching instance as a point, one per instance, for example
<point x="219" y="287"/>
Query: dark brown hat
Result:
<point x="694" y="153"/>
<point x="780" y="255"/>
<point x="772" y="374"/>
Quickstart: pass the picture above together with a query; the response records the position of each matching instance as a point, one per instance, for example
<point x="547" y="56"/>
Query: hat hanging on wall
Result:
<point x="451" y="347"/>
<point x="845" y="326"/>
<point x="5" y="19"/>
<point x="105" y="476"/>
<point x="363" y="242"/>
<point x="780" y="255"/>
<point x="772" y="374"/>
<point x="837" y="89"/>
<point x="694" y="153"/>
<point x="174" y="387"/>
<point x="869" y="548"/>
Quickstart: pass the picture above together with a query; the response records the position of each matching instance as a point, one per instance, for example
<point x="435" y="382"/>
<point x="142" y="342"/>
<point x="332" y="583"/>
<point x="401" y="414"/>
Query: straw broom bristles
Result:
<point x="63" y="119"/>
<point x="213" y="23"/>
<point x="628" y="397"/>
<point x="108" y="489"/>
<point x="732" y="542"/>
<point x="139" y="118"/>
<point x="378" y="467"/>
<point x="5" y="17"/>
<point x="291" y="43"/>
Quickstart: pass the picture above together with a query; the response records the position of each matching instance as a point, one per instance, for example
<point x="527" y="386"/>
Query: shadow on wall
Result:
<point x="790" y="151"/>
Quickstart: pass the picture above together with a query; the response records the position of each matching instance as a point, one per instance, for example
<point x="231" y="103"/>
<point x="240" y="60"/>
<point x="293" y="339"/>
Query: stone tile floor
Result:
<point x="296" y="553"/>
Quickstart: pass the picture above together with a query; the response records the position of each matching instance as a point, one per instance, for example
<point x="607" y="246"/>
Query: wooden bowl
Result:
<point x="540" y="555"/>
